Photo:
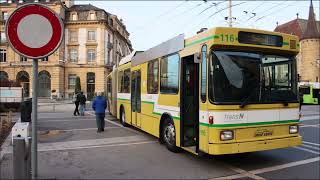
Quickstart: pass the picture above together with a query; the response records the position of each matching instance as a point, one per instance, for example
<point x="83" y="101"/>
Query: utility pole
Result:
<point x="230" y="14"/>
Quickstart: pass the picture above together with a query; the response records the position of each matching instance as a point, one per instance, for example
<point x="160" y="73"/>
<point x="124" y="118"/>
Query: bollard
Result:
<point x="19" y="151"/>
<point x="21" y="158"/>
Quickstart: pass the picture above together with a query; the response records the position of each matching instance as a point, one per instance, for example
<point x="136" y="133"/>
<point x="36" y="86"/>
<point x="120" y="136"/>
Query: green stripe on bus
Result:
<point x="122" y="99"/>
<point x="156" y="113"/>
<point x="285" y="43"/>
<point x="201" y="40"/>
<point x="249" y="124"/>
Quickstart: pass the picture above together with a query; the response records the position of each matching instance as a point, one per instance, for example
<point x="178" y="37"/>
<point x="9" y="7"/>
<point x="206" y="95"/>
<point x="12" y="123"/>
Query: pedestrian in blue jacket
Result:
<point x="99" y="105"/>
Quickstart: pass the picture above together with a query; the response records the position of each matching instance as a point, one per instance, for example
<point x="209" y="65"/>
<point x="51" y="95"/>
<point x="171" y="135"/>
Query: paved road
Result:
<point x="69" y="147"/>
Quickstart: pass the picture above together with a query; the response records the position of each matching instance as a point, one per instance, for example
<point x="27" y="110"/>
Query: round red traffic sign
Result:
<point x="34" y="31"/>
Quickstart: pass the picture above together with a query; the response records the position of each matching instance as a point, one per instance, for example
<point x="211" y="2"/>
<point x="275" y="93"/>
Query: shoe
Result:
<point x="102" y="130"/>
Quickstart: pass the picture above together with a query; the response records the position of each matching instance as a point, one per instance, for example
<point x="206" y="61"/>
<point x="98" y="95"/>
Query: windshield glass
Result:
<point x="238" y="77"/>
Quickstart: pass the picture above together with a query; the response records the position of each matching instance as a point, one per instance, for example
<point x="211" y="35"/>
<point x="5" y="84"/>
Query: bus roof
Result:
<point x="219" y="36"/>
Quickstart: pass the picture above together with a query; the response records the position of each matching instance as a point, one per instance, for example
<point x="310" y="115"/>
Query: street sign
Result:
<point x="34" y="31"/>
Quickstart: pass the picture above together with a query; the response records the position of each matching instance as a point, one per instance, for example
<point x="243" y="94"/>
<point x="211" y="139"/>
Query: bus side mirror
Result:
<point x="197" y="58"/>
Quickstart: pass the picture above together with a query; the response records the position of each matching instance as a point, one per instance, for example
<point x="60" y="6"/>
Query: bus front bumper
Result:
<point x="232" y="148"/>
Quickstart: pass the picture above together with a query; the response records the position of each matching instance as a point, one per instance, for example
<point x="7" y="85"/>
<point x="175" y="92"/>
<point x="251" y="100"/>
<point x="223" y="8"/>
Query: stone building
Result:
<point x="309" y="57"/>
<point x="94" y="41"/>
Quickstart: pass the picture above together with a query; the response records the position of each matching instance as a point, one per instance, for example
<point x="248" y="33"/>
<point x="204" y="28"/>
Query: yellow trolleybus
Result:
<point x="222" y="91"/>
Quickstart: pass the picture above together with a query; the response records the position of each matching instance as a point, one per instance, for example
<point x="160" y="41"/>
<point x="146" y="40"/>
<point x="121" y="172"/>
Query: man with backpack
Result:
<point x="82" y="102"/>
<point x="99" y="105"/>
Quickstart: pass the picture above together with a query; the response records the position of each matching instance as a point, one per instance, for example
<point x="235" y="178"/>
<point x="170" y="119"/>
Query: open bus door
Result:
<point x="189" y="108"/>
<point x="136" y="98"/>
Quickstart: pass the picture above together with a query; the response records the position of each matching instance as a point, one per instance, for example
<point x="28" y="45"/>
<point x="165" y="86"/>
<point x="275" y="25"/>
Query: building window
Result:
<point x="91" y="35"/>
<point x="46" y="59"/>
<point x="74" y="17"/>
<point x="3" y="55"/>
<point x="3" y="37"/>
<point x="204" y="74"/>
<point x="5" y="15"/>
<point x="72" y="81"/>
<point x="124" y="84"/>
<point x="169" y="76"/>
<point x="92" y="16"/>
<point x="91" y="55"/>
<point x="73" y="36"/>
<point x="73" y="54"/>
<point x="23" y="59"/>
<point x="152" y="77"/>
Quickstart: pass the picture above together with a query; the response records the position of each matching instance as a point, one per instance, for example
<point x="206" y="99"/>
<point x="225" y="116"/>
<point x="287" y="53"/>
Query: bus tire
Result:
<point x="169" y="136"/>
<point x="123" y="117"/>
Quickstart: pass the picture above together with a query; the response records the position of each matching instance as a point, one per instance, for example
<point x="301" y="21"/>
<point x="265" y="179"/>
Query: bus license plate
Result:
<point x="263" y="132"/>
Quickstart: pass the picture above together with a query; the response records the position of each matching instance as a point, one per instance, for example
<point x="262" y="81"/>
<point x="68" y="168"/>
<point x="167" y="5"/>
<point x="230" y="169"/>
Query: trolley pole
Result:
<point x="230" y="14"/>
<point x="34" y="150"/>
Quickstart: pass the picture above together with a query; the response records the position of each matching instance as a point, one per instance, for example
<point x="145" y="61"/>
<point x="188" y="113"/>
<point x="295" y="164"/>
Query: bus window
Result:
<point x="126" y="82"/>
<point x="316" y="93"/>
<point x="169" y="77"/>
<point x="152" y="77"/>
<point x="120" y="81"/>
<point x="204" y="74"/>
<point x="305" y="90"/>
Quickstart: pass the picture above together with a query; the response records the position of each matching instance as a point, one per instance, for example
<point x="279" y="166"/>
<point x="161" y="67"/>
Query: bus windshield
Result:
<point x="246" y="78"/>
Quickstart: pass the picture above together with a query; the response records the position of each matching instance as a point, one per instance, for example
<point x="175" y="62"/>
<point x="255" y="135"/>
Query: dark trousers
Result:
<point x="76" y="110"/>
<point x="100" y="121"/>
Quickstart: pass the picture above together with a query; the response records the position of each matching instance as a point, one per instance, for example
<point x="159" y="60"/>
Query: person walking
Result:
<point x="82" y="102"/>
<point x="99" y="105"/>
<point x="76" y="100"/>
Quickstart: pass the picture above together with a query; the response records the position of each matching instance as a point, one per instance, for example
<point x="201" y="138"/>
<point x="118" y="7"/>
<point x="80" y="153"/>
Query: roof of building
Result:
<point x="84" y="7"/>
<point x="27" y="1"/>
<point x="301" y="27"/>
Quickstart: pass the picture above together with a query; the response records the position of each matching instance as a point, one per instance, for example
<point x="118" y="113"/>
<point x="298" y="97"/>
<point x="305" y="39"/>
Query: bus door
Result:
<point x="136" y="98"/>
<point x="189" y="98"/>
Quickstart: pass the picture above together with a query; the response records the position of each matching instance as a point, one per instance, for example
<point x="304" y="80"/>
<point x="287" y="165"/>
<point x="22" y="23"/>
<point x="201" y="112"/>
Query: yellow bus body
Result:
<point x="155" y="106"/>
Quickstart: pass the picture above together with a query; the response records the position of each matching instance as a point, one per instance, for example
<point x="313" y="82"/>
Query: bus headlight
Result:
<point x="226" y="135"/>
<point x="293" y="129"/>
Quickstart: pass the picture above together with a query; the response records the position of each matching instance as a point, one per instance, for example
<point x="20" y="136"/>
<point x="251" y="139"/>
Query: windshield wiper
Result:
<point x="246" y="101"/>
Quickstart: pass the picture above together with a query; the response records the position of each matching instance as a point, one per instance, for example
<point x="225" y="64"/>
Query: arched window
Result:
<point x="44" y="84"/>
<point x="4" y="76"/>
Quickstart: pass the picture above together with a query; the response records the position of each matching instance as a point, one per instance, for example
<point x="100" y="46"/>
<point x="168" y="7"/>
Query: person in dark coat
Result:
<point x="82" y="102"/>
<point x="99" y="105"/>
<point x="76" y="103"/>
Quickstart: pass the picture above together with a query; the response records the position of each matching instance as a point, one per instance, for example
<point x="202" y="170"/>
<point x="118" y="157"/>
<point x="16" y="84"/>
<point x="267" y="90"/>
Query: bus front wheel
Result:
<point x="123" y="117"/>
<point x="169" y="136"/>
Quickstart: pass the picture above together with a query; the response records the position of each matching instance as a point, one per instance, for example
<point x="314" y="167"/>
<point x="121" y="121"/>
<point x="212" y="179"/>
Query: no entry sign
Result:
<point x="34" y="31"/>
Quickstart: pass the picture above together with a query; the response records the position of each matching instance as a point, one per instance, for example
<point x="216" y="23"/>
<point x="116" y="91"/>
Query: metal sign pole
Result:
<point x="34" y="148"/>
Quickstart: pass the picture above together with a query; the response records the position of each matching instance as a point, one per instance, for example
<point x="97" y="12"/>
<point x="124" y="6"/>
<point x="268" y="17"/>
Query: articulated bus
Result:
<point x="222" y="91"/>
<point x="309" y="92"/>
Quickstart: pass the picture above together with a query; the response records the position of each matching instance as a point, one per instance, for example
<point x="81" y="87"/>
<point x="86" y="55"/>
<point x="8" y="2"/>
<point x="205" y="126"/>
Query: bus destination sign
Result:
<point x="260" y="39"/>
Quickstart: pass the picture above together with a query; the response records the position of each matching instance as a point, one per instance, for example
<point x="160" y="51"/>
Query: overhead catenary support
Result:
<point x="230" y="14"/>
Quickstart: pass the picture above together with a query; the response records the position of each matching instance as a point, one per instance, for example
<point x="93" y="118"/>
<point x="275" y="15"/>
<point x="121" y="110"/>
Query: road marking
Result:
<point x="273" y="168"/>
<point x="307" y="150"/>
<point x="310" y="125"/>
<point x="90" y="143"/>
<point x="311" y="147"/>
<point x="98" y="146"/>
<point x="308" y="118"/>
<point x="284" y="166"/>
<point x="242" y="173"/>
<point x="306" y="142"/>
<point x="85" y="129"/>
<point x="69" y="120"/>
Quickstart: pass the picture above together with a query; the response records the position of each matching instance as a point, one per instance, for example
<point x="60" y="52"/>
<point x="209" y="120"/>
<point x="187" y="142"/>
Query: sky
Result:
<point x="153" y="22"/>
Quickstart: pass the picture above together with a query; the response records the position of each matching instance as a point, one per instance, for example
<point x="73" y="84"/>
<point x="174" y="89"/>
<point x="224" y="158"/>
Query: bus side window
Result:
<point x="204" y="74"/>
<point x="152" y="77"/>
<point x="120" y="83"/>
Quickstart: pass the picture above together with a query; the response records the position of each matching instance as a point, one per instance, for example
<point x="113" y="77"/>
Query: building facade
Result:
<point x="309" y="35"/>
<point x="92" y="45"/>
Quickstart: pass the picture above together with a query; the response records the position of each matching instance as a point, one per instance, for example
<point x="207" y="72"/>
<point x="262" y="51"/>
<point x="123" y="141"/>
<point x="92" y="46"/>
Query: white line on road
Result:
<point x="89" y="147"/>
<point x="69" y="120"/>
<point x="242" y="173"/>
<point x="311" y="147"/>
<point x="307" y="150"/>
<point x="273" y="168"/>
<point x="86" y="129"/>
<point x="308" y="118"/>
<point x="306" y="142"/>
<point x="310" y="125"/>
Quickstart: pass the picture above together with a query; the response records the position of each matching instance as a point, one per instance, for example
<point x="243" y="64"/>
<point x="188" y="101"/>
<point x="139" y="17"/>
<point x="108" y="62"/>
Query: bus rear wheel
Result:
<point x="123" y="117"/>
<point x="169" y="136"/>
